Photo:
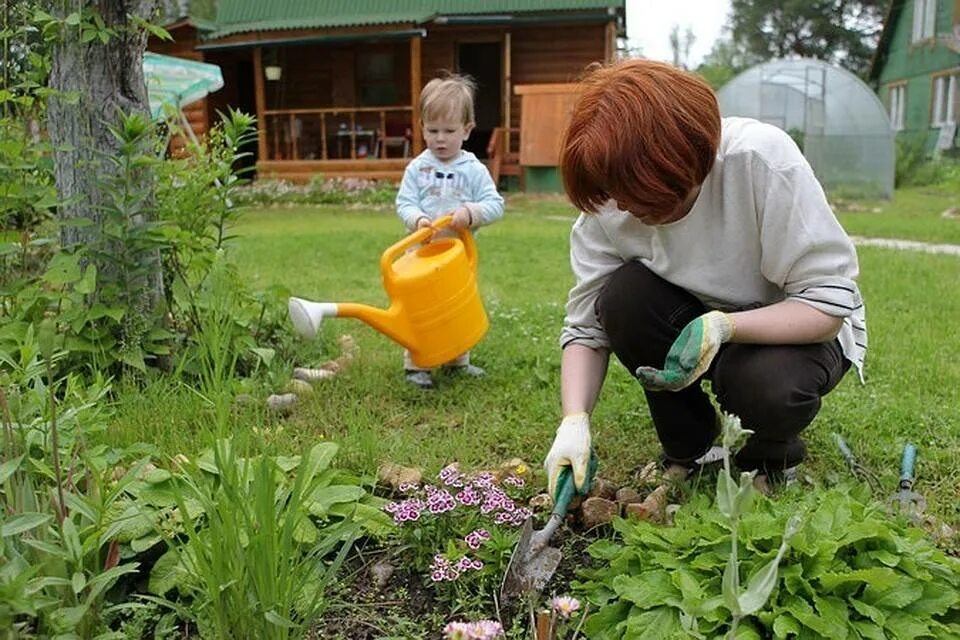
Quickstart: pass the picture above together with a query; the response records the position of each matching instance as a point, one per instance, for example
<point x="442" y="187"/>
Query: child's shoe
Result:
<point x="421" y="379"/>
<point x="470" y="370"/>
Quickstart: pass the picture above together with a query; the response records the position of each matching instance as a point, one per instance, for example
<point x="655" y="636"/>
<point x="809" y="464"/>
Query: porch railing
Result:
<point x="353" y="133"/>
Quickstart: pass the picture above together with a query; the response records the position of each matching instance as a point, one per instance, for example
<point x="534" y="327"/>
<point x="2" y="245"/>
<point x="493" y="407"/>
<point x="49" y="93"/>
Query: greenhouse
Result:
<point x="836" y="119"/>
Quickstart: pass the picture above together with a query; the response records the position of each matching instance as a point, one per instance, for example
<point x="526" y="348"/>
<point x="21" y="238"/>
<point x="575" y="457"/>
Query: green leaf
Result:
<point x="323" y="498"/>
<point x="139" y="545"/>
<point x="726" y="494"/>
<point x="71" y="541"/>
<point x="905" y="591"/>
<point x="72" y="20"/>
<point x="23" y="522"/>
<point x="656" y="624"/>
<point x="9" y="467"/>
<point x="370" y="518"/>
<point x="63" y="269"/>
<point x="168" y="572"/>
<point x="869" y="611"/>
<point x="907" y="627"/>
<point x="868" y="630"/>
<point x="133" y="356"/>
<point x="784" y="625"/>
<point x="78" y="581"/>
<point x="760" y="586"/>
<point x="879" y="577"/>
<point x="646" y="590"/>
<point x="277" y="620"/>
<point x="88" y="283"/>
<point x="317" y="459"/>
<point x="731" y="593"/>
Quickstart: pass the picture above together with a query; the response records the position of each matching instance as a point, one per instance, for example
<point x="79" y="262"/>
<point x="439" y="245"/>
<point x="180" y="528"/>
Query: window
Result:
<point x="898" y="104"/>
<point x="924" y="19"/>
<point x="945" y="99"/>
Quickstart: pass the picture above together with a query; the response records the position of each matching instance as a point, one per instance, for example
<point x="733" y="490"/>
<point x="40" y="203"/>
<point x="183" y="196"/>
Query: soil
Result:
<point x="405" y="605"/>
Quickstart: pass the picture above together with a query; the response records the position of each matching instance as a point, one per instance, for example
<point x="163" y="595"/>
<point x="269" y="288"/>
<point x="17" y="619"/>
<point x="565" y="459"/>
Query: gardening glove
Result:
<point x="570" y="448"/>
<point x="691" y="353"/>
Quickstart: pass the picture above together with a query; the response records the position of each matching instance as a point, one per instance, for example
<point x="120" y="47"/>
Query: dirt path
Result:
<point x="907" y="245"/>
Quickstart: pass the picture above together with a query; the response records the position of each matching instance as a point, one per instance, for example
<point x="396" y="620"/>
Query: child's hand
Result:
<point x="462" y="219"/>
<point x="423" y="223"/>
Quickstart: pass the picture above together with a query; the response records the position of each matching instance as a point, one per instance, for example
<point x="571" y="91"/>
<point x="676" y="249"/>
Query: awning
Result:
<point x="176" y="82"/>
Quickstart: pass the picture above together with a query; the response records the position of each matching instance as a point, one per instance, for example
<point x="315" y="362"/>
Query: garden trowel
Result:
<point x="906" y="500"/>
<point x="534" y="561"/>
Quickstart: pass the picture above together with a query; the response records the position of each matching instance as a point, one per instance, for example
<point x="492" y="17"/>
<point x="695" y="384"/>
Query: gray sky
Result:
<point x="649" y="23"/>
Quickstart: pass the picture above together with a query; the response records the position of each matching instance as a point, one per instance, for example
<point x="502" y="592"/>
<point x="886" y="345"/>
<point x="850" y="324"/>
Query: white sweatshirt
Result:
<point x="760" y="231"/>
<point x="432" y="188"/>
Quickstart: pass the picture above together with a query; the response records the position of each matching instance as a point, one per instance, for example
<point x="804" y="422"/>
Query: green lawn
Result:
<point x="331" y="253"/>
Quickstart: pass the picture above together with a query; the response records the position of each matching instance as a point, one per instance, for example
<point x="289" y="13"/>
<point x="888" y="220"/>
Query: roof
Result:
<point x="240" y="16"/>
<point x="889" y="24"/>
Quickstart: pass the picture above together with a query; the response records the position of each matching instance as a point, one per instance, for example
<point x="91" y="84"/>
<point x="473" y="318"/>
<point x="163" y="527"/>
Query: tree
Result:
<point x="844" y="32"/>
<point x="725" y="60"/>
<point x="680" y="47"/>
<point x="97" y="80"/>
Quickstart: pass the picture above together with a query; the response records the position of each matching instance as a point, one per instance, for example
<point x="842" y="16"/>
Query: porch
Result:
<point x="345" y="102"/>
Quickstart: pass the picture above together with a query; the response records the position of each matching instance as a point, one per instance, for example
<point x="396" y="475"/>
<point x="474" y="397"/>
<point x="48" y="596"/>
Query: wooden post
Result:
<point x="323" y="135"/>
<point x="610" y="42"/>
<point x="261" y="99"/>
<point x="507" y="101"/>
<point x="415" y="85"/>
<point x="383" y="134"/>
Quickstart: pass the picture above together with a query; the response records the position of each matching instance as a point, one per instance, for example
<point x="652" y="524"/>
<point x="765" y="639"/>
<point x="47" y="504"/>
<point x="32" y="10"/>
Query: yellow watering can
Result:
<point x="435" y="308"/>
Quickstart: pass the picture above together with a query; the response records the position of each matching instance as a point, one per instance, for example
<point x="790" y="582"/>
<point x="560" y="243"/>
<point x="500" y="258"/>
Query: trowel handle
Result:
<point x="566" y="488"/>
<point x="906" y="463"/>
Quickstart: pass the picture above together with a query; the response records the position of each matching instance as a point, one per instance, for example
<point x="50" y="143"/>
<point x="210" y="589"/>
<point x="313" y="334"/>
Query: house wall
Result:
<point x="539" y="54"/>
<point x="915" y="64"/>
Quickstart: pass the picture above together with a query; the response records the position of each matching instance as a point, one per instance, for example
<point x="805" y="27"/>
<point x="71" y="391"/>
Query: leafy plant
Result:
<point x="846" y="571"/>
<point x="57" y="557"/>
<point x="254" y="558"/>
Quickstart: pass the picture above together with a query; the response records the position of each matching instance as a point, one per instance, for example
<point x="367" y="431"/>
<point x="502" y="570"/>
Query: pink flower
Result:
<point x="565" y="605"/>
<point x="479" y="630"/>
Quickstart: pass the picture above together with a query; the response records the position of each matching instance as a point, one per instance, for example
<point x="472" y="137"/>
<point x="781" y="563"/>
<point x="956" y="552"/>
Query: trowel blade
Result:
<point x="529" y="570"/>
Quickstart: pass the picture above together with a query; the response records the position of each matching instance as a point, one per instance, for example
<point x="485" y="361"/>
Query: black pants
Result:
<point x="774" y="389"/>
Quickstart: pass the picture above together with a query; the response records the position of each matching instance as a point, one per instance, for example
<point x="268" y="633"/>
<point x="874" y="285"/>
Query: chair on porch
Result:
<point x="501" y="160"/>
<point x="395" y="134"/>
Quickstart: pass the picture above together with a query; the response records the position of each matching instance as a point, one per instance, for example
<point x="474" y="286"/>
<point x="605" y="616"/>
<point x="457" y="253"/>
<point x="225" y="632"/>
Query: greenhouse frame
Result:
<point x="835" y="118"/>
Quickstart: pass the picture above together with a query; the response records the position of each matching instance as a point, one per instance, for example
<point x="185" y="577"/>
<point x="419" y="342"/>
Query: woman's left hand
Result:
<point x="691" y="353"/>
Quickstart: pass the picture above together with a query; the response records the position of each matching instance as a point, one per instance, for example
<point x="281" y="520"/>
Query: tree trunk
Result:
<point x="106" y="79"/>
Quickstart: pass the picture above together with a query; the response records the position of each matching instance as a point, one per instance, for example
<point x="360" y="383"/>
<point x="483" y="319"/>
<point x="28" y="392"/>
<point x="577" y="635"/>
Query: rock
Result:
<point x="306" y="374"/>
<point x="628" y="495"/>
<point x="380" y="573"/>
<point x="298" y="387"/>
<point x="394" y="475"/>
<point x="603" y="488"/>
<point x="652" y="509"/>
<point x="541" y="502"/>
<point x="513" y="467"/>
<point x="648" y="474"/>
<point x="597" y="511"/>
<point x="282" y="404"/>
<point x="244" y="400"/>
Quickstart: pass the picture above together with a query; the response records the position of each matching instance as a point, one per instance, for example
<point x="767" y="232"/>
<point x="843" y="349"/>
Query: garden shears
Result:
<point x="906" y="500"/>
<point x="534" y="561"/>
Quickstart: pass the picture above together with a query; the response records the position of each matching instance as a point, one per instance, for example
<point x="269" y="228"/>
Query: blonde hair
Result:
<point x="449" y="96"/>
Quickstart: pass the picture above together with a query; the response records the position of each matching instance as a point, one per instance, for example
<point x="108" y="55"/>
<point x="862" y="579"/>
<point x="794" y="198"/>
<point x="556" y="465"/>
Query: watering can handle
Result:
<point x="420" y="236"/>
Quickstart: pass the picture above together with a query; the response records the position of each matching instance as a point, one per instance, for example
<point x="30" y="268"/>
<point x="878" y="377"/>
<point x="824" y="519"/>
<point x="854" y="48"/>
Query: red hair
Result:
<point x="640" y="130"/>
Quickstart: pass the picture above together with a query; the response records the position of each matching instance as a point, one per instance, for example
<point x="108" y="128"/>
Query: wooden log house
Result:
<point x="335" y="84"/>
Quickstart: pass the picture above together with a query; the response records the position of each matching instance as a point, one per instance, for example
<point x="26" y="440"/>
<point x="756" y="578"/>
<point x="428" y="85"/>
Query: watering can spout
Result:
<point x="306" y="316"/>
